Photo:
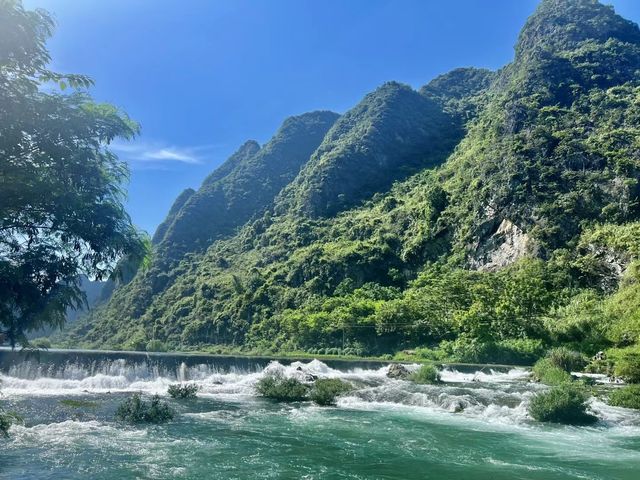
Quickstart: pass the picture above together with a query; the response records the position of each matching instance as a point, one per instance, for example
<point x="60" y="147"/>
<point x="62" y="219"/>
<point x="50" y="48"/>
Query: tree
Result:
<point x="61" y="188"/>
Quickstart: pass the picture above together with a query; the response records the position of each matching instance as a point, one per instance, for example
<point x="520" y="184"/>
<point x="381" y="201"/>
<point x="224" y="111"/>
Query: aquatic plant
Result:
<point x="6" y="420"/>
<point x="627" y="397"/>
<point x="184" y="390"/>
<point x="426" y="374"/>
<point x="547" y="372"/>
<point x="325" y="391"/>
<point x="282" y="389"/>
<point x="564" y="403"/>
<point x="136" y="410"/>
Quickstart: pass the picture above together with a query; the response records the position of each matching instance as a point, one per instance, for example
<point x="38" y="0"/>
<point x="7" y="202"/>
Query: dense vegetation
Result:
<point x="485" y="217"/>
<point x="564" y="403"/>
<point x="137" y="410"/>
<point x="426" y="374"/>
<point x="183" y="390"/>
<point x="61" y="188"/>
<point x="326" y="391"/>
<point x="627" y="397"/>
<point x="282" y="389"/>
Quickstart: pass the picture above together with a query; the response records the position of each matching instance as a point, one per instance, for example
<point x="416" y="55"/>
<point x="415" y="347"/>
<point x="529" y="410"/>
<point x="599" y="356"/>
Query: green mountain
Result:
<point x="483" y="217"/>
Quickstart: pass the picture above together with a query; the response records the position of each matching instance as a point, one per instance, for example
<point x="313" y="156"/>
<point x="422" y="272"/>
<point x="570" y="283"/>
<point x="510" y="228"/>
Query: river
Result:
<point x="385" y="429"/>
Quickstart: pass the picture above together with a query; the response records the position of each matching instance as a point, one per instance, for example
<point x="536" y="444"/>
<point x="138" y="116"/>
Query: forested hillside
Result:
<point x="485" y="216"/>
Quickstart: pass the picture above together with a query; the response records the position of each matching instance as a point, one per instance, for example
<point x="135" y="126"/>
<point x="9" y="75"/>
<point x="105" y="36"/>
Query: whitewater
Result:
<point x="473" y="425"/>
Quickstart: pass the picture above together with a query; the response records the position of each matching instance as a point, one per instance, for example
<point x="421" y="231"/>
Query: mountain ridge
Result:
<point x="479" y="212"/>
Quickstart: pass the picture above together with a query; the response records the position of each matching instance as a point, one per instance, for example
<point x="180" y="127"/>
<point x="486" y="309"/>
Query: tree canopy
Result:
<point x="61" y="188"/>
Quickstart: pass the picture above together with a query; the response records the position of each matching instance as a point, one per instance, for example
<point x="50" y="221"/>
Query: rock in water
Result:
<point x="398" y="371"/>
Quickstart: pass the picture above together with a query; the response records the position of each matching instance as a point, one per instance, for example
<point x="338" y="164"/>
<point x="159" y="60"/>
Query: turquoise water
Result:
<point x="386" y="429"/>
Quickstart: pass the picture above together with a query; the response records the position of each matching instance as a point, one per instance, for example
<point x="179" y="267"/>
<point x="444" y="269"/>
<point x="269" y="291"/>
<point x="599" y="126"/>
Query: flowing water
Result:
<point x="385" y="429"/>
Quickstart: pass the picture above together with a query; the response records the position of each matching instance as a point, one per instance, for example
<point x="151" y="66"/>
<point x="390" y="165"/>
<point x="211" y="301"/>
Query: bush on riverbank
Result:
<point x="628" y="368"/>
<point x="156" y="346"/>
<point x="565" y="403"/>
<point x="282" y="389"/>
<point x="325" y="391"/>
<point x="136" y="410"/>
<point x="545" y="371"/>
<point x="427" y="374"/>
<point x="512" y="351"/>
<point x="627" y="397"/>
<point x="567" y="359"/>
<point x="183" y="390"/>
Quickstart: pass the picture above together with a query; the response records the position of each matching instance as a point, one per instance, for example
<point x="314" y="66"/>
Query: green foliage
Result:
<point x="628" y="368"/>
<point x="426" y="374"/>
<point x="6" y="420"/>
<point x="183" y="390"/>
<point x="566" y="359"/>
<point x="61" y="188"/>
<point x="282" y="389"/>
<point x="512" y="225"/>
<point x="627" y="397"/>
<point x="547" y="372"/>
<point x="42" y="343"/>
<point x="325" y="391"/>
<point x="565" y="403"/>
<point x="156" y="346"/>
<point x="137" y="410"/>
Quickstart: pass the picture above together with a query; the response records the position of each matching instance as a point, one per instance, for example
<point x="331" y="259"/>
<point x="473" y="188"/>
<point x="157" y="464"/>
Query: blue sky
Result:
<point x="203" y="76"/>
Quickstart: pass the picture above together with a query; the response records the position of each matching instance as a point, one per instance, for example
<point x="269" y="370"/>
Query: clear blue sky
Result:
<point x="203" y="76"/>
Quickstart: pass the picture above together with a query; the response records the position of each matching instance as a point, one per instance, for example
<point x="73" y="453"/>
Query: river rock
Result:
<point x="398" y="371"/>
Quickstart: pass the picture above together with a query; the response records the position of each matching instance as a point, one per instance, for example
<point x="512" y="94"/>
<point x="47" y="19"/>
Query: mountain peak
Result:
<point x="560" y="25"/>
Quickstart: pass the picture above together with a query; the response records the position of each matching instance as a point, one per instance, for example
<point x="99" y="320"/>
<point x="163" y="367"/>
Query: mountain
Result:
<point x="485" y="216"/>
<point x="246" y="183"/>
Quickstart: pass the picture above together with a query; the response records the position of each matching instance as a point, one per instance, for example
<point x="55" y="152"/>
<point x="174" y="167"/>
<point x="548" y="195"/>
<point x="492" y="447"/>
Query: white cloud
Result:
<point x="155" y="153"/>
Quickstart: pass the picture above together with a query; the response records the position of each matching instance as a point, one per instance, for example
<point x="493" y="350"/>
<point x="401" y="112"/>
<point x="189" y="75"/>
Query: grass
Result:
<point x="325" y="391"/>
<point x="550" y="374"/>
<point x="426" y="374"/>
<point x="627" y="397"/>
<point x="565" y="403"/>
<point x="628" y="368"/>
<point x="567" y="359"/>
<point x="282" y="389"/>
<point x="136" y="410"/>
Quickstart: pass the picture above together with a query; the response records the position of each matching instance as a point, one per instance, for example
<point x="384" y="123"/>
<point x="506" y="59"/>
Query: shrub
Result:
<point x="184" y="390"/>
<point x="426" y="374"/>
<point x="566" y="359"/>
<point x="42" y="342"/>
<point x="282" y="389"/>
<point x="156" y="346"/>
<point x="515" y="351"/>
<point x="550" y="374"/>
<point x="326" y="390"/>
<point x="628" y="368"/>
<point x="565" y="403"/>
<point x="6" y="420"/>
<point x="136" y="410"/>
<point x="627" y="397"/>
